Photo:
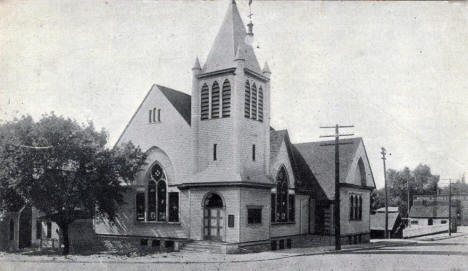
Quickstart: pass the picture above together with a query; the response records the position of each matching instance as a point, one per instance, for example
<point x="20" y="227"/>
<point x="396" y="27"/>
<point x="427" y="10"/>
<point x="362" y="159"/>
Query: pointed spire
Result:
<point x="196" y="66"/>
<point x="266" y="68"/>
<point x="231" y="35"/>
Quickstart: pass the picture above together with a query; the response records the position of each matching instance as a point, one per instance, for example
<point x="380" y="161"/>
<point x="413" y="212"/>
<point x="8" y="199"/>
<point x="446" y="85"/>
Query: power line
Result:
<point x="336" y="205"/>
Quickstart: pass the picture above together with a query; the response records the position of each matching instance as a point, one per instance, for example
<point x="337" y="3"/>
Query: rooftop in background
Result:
<point x="456" y="196"/>
<point x="377" y="221"/>
<point x="391" y="209"/>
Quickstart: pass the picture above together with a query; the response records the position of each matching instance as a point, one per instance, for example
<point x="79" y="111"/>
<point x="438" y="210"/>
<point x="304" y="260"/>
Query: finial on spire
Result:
<point x="196" y="66"/>
<point x="266" y="68"/>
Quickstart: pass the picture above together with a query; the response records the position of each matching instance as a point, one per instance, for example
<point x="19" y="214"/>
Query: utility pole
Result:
<point x="384" y="152"/>
<point x="450" y="205"/>
<point x="408" y="199"/>
<point x="336" y="206"/>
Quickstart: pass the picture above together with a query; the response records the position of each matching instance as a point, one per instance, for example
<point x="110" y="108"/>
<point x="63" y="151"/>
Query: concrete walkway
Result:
<point x="188" y="257"/>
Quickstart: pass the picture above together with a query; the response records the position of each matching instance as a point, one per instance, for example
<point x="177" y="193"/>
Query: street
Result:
<point x="446" y="254"/>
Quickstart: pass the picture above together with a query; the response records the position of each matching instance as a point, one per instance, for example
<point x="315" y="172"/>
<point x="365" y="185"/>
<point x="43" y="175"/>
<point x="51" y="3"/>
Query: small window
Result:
<point x="289" y="243"/>
<point x="253" y="152"/>
<point x="173" y="207"/>
<point x="254" y="215"/>
<point x="281" y="244"/>
<point x="430" y="222"/>
<point x="156" y="243"/>
<point x="273" y="245"/>
<point x="144" y="242"/>
<point x="150" y="119"/>
<point x="140" y="206"/>
<point x="443" y="222"/>
<point x="159" y="115"/>
<point x="49" y="229"/>
<point x="38" y="229"/>
<point x="154" y="115"/>
<point x="231" y="221"/>
<point x="169" y="244"/>
<point x="414" y="222"/>
<point x="214" y="152"/>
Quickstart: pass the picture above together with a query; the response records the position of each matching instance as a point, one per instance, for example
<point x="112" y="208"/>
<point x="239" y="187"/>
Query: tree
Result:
<point x="64" y="169"/>
<point x="420" y="181"/>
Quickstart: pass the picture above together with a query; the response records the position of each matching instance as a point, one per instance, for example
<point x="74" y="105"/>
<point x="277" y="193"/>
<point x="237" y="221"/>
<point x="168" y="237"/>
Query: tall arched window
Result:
<point x="215" y="100"/>
<point x="162" y="200"/>
<point x="247" y="100"/>
<point x="204" y="102"/>
<point x="351" y="207"/>
<point x="226" y="99"/>
<point x="157" y="197"/>
<point x="362" y="172"/>
<point x="151" y="200"/>
<point x="260" y="104"/>
<point x="282" y="195"/>
<point x="254" y="101"/>
<point x="12" y="230"/>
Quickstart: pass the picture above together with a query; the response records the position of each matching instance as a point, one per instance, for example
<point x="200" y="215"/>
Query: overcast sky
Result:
<point x="396" y="70"/>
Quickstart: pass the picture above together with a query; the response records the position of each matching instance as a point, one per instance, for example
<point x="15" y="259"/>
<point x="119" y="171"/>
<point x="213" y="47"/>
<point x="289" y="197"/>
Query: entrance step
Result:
<point x="204" y="246"/>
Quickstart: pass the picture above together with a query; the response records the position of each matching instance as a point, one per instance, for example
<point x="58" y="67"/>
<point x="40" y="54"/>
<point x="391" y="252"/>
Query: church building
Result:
<point x="219" y="176"/>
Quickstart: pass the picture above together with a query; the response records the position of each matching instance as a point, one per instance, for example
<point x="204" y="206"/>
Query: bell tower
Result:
<point x="231" y="108"/>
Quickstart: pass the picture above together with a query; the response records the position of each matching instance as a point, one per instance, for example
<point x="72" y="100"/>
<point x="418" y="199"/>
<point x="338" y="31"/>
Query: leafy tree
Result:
<point x="420" y="181"/>
<point x="64" y="169"/>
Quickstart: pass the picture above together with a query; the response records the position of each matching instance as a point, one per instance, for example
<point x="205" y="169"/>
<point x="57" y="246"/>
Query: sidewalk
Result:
<point x="187" y="257"/>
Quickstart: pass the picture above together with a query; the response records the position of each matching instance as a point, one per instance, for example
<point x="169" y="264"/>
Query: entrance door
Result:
<point x="213" y="220"/>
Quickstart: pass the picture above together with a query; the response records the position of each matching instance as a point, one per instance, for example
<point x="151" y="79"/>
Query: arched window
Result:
<point x="12" y="230"/>
<point x="226" y="99"/>
<point x="247" y="100"/>
<point x="254" y="101"/>
<point x="215" y="100"/>
<point x="362" y="172"/>
<point x="204" y="102"/>
<point x="162" y="200"/>
<point x="260" y="104"/>
<point x="157" y="194"/>
<point x="151" y="200"/>
<point x="351" y="207"/>
<point x="282" y="195"/>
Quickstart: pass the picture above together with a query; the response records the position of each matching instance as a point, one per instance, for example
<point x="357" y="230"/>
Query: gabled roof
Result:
<point x="321" y="161"/>
<point x="230" y="37"/>
<point x="181" y="101"/>
<point x="377" y="221"/>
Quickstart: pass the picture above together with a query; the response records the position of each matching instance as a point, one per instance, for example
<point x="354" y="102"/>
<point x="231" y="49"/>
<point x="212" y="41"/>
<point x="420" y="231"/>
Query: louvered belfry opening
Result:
<point x="215" y="100"/>
<point x="260" y="104"/>
<point x="205" y="102"/>
<point x="226" y="99"/>
<point x="247" y="100"/>
<point x="254" y="101"/>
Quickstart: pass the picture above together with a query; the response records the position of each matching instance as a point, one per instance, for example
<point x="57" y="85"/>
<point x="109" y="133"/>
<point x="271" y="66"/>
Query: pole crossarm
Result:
<point x="333" y="144"/>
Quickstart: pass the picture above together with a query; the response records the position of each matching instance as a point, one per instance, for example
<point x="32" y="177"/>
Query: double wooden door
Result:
<point x="213" y="224"/>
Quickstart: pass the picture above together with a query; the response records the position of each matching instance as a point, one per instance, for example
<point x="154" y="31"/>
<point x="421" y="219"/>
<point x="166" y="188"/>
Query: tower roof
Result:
<point x="230" y="37"/>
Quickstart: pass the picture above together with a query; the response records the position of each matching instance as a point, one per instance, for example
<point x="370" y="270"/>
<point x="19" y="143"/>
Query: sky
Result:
<point x="397" y="71"/>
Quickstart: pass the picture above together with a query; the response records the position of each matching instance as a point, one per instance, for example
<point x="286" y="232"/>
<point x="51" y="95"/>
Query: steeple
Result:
<point x="230" y="38"/>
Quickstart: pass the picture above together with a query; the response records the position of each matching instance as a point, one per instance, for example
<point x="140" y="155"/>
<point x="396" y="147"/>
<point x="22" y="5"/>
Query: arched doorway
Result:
<point x="213" y="217"/>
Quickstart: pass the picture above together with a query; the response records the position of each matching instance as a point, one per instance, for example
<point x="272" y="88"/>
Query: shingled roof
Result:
<point x="320" y="160"/>
<point x="181" y="101"/>
<point x="377" y="221"/>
